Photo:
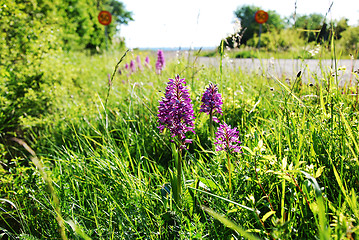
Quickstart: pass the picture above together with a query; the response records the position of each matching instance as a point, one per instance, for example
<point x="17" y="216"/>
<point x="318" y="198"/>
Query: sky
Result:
<point x="203" y="23"/>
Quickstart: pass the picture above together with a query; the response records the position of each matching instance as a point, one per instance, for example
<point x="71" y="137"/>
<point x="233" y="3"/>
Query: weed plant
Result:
<point x="108" y="168"/>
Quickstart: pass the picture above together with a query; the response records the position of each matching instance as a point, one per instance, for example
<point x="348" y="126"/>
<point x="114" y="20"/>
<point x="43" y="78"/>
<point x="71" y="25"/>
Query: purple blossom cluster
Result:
<point x="227" y="139"/>
<point x="212" y="101"/>
<point x="160" y="64"/>
<point x="175" y="111"/>
<point x="139" y="65"/>
<point x="136" y="64"/>
<point x="132" y="66"/>
<point x="147" y="62"/>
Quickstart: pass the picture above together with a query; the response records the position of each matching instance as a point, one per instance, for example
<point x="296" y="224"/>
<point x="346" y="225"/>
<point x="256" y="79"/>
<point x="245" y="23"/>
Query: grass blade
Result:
<point x="229" y="223"/>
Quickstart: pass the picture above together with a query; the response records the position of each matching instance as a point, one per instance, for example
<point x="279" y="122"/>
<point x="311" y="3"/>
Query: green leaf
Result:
<point x="319" y="172"/>
<point x="229" y="223"/>
<point x="208" y="184"/>
<point x="78" y="230"/>
<point x="267" y="215"/>
<point x="248" y="150"/>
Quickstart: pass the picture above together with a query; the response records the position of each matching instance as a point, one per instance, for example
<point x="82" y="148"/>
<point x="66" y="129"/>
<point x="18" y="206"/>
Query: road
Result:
<point x="288" y="68"/>
<point x="311" y="69"/>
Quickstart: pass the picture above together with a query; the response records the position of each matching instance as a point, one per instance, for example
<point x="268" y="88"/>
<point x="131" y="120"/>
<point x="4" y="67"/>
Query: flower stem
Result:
<point x="211" y="130"/>
<point x="178" y="179"/>
<point x="229" y="172"/>
<point x="179" y="173"/>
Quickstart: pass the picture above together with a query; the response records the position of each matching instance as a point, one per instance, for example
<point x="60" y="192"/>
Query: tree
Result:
<point x="340" y="27"/>
<point x="350" y="39"/>
<point x="81" y="27"/>
<point x="27" y="34"/>
<point x="278" y="40"/>
<point x="30" y="33"/>
<point x="312" y="27"/>
<point x="118" y="11"/>
<point x="246" y="14"/>
<point x="311" y="21"/>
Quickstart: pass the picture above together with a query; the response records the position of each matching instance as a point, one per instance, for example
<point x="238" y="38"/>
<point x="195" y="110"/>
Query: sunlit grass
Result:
<point x="297" y="175"/>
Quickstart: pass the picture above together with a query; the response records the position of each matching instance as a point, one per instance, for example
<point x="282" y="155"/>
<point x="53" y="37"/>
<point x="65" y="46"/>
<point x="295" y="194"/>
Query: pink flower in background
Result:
<point x="139" y="65"/>
<point x="160" y="64"/>
<point x="147" y="62"/>
<point x="132" y="66"/>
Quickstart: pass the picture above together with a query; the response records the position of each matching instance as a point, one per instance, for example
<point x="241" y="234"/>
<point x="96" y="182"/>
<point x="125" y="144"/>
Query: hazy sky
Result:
<point x="203" y="23"/>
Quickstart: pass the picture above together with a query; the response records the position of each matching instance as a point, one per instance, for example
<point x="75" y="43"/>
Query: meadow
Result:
<point x="97" y="166"/>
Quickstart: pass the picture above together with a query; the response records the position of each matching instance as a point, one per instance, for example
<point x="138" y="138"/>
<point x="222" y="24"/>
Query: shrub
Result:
<point x="25" y="42"/>
<point x="278" y="40"/>
<point x="350" y="39"/>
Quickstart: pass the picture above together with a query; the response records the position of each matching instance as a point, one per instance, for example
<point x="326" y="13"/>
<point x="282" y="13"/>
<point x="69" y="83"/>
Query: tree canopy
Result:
<point x="312" y="26"/>
<point x="305" y="28"/>
<point x="31" y="32"/>
<point x="250" y="27"/>
<point x="70" y="24"/>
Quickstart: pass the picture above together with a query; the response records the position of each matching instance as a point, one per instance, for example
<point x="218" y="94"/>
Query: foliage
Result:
<point x="33" y="34"/>
<point x="80" y="25"/>
<point x="103" y="170"/>
<point x="340" y="27"/>
<point x="111" y="168"/>
<point x="284" y="40"/>
<point x="277" y="33"/>
<point x="313" y="27"/>
<point x="118" y="11"/>
<point x="25" y="42"/>
<point x="246" y="14"/>
<point x="312" y="21"/>
<point x="350" y="40"/>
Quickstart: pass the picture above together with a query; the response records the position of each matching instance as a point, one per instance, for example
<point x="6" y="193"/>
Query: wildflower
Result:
<point x="227" y="139"/>
<point x="126" y="66"/>
<point x="139" y="65"/>
<point x="132" y="66"/>
<point x="175" y="111"/>
<point x="147" y="62"/>
<point x="160" y="64"/>
<point x="212" y="101"/>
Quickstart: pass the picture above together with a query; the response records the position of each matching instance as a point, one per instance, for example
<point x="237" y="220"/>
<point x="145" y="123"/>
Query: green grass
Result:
<point x="110" y="168"/>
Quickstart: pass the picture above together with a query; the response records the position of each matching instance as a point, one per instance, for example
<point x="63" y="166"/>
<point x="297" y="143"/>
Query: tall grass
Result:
<point x="111" y="168"/>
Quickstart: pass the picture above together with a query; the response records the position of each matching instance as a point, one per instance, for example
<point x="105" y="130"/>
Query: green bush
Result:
<point x="350" y="39"/>
<point x="246" y="54"/>
<point x="33" y="35"/>
<point x="25" y="42"/>
<point x="283" y="40"/>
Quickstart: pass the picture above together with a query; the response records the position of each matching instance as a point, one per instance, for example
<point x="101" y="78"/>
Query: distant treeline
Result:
<point x="287" y="32"/>
<point x="29" y="27"/>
